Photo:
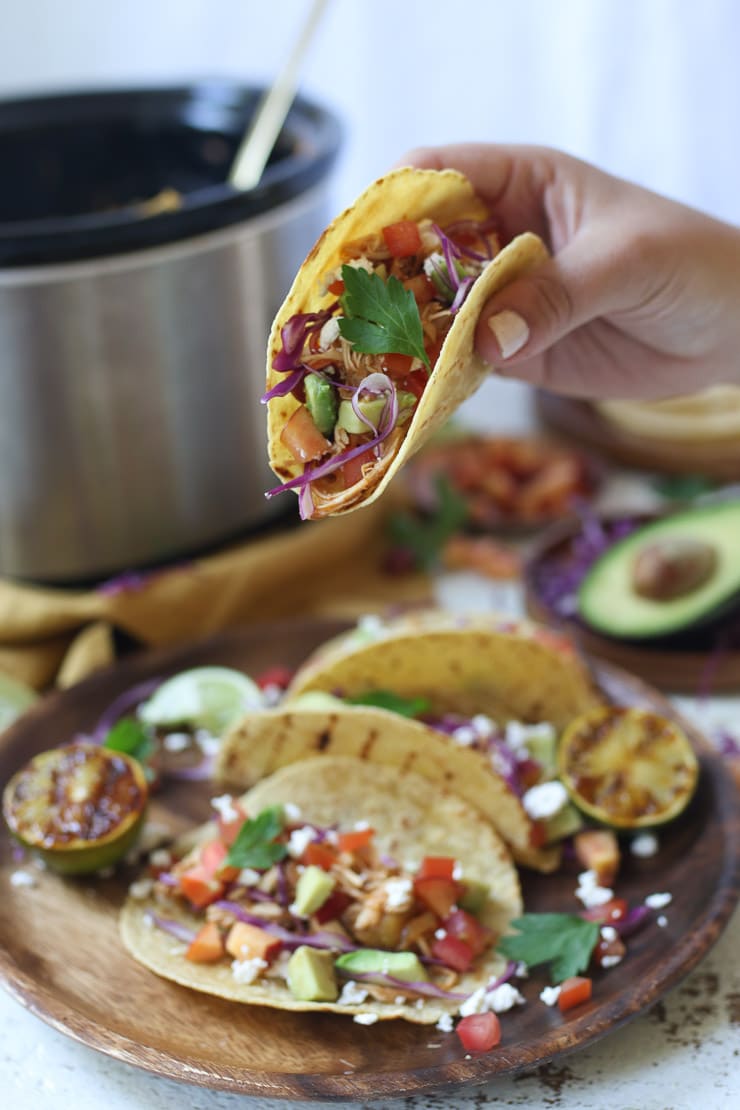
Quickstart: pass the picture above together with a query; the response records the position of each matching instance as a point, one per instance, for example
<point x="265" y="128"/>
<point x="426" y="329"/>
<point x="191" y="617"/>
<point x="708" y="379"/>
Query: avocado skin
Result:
<point x="609" y="604"/>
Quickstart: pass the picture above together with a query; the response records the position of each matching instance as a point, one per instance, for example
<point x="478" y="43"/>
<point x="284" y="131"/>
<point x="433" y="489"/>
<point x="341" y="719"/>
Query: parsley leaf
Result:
<point x="424" y="537"/>
<point x="380" y="317"/>
<point x="386" y="699"/>
<point x="562" y="939"/>
<point x="255" y="842"/>
<point x="130" y="737"/>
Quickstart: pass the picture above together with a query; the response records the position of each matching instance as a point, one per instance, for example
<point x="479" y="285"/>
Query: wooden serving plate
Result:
<point x="580" y="422"/>
<point x="671" y="669"/>
<point x="61" y="957"/>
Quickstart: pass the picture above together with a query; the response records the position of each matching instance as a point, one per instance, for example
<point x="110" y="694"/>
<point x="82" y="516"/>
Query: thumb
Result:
<point x="537" y="310"/>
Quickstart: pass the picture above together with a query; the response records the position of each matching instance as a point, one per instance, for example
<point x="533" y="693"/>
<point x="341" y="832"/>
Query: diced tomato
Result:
<point x="228" y="828"/>
<point x="212" y="857"/>
<point x="199" y="886"/>
<point x="352" y="841"/>
<point x="336" y="287"/>
<point x="352" y="469"/>
<point x="397" y="364"/>
<point x="605" y="949"/>
<point x="436" y="867"/>
<point x="453" y="951"/>
<point x="249" y="942"/>
<point x="318" y="855"/>
<point x="528" y="772"/>
<point x="402" y="238"/>
<point x="439" y="895"/>
<point x="302" y="438"/>
<point x="207" y="946"/>
<point x="334" y="905"/>
<point x="574" y="991"/>
<point x="538" y="834"/>
<point x="479" y="1032"/>
<point x="432" y="349"/>
<point x="616" y="909"/>
<point x="598" y="850"/>
<point x="415" y="382"/>
<point x="422" y="287"/>
<point x="464" y="926"/>
<point x="275" y="676"/>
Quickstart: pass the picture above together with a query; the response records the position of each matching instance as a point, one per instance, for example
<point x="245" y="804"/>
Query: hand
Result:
<point x="641" y="297"/>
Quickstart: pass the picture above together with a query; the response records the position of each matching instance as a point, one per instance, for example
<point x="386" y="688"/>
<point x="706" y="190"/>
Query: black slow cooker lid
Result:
<point x="98" y="173"/>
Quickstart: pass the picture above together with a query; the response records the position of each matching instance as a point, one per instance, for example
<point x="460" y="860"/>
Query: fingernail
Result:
<point x="510" y="330"/>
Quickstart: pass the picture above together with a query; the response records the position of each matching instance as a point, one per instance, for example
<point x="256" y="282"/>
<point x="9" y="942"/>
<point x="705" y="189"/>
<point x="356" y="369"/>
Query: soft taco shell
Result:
<point x="411" y="817"/>
<point x="269" y="739"/>
<point x="406" y="193"/>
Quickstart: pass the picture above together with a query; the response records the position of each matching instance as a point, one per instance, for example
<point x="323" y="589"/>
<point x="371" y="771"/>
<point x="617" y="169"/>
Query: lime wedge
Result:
<point x="211" y="698"/>
<point x="15" y="698"/>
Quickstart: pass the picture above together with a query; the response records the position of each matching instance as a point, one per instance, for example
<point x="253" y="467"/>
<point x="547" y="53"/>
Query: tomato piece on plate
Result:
<point x="615" y="909"/>
<point x="464" y="926"/>
<point x="275" y="676"/>
<point x="573" y="992"/>
<point x="213" y="856"/>
<point x="207" y="946"/>
<point x="249" y="942"/>
<point x="228" y="827"/>
<point x="422" y="287"/>
<point x="438" y="895"/>
<point x="402" y="238"/>
<point x="357" y="838"/>
<point x="318" y="855"/>
<point x="453" y="951"/>
<point x="302" y="438"/>
<point x="598" y="850"/>
<point x="396" y="363"/>
<point x="436" y="867"/>
<point x="336" y="287"/>
<point x="415" y="382"/>
<point x="352" y="469"/>
<point x="479" y="1032"/>
<point x="334" y="905"/>
<point x="199" y="886"/>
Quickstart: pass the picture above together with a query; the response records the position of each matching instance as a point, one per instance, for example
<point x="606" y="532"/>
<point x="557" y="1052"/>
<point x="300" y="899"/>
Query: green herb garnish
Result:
<point x="561" y="939"/>
<point x="386" y="699"/>
<point x="424" y="537"/>
<point x="380" y="317"/>
<point x="255" y="844"/>
<point x="130" y="737"/>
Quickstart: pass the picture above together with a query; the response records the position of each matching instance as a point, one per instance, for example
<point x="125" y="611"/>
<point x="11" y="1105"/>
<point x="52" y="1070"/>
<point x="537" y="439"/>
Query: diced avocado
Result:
<point x="564" y="823"/>
<point x="406" y="402"/>
<point x="322" y="402"/>
<point x="348" y="419"/>
<point x="667" y="576"/>
<point x="474" y="896"/>
<point x="374" y="961"/>
<point x="316" y="699"/>
<point x="312" y="889"/>
<point x="543" y="746"/>
<point x="311" y="975"/>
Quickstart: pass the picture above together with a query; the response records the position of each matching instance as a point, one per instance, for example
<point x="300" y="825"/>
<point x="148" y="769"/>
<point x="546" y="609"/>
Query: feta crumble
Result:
<point x="176" y="742"/>
<point x="550" y="995"/>
<point x="160" y="857"/>
<point x="361" y="263"/>
<point x="299" y="841"/>
<point x="224" y="806"/>
<point x="352" y="994"/>
<point x="517" y="734"/>
<point x="608" y="933"/>
<point x="361" y="826"/>
<point x="611" y="961"/>
<point x="545" y="800"/>
<point x="291" y="811"/>
<point x="248" y="876"/>
<point x="445" y="1024"/>
<point x="398" y="894"/>
<point x="484" y="727"/>
<point x="662" y="921"/>
<point x="590" y="893"/>
<point x="246" y="971"/>
<point x="464" y="735"/>
<point x="434" y="262"/>
<point x="644" y="846"/>
<point x="329" y="333"/>
<point x="141" y="889"/>
<point x="658" y="901"/>
<point x="22" y="878"/>
<point x="365" y="1019"/>
<point x="498" y="1000"/>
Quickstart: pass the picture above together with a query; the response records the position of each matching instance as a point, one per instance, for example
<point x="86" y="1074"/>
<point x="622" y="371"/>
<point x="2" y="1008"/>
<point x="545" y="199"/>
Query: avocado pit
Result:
<point x="672" y="567"/>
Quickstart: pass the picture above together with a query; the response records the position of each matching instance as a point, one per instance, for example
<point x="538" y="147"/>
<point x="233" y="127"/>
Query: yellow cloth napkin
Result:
<point x="329" y="567"/>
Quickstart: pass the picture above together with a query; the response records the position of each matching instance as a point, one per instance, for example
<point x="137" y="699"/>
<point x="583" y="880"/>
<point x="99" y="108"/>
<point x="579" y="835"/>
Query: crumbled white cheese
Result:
<point x="457" y="870"/>
<point x="246" y="971"/>
<point x="225" y="808"/>
<point x="272" y="695"/>
<point x="369" y="627"/>
<point x="545" y="800"/>
<point x="360" y="826"/>
<point x="440" y="934"/>
<point x="22" y="878"/>
<point x="644" y="846"/>
<point x="365" y="1019"/>
<point x="464" y="735"/>
<point x="141" y="889"/>
<point x="550" y="995"/>
<point x="590" y="893"/>
<point x="361" y="264"/>
<point x="419" y="1004"/>
<point x="207" y="743"/>
<point x="352" y="994"/>
<point x="521" y="971"/>
<point x="658" y="901"/>
<point x="160" y="857"/>
<point x="662" y="921"/>
<point x="291" y="811"/>
<point x="503" y="998"/>
<point x="176" y="741"/>
<point x="434" y="262"/>
<point x="608" y="933"/>
<point x="400" y="999"/>
<point x="299" y="841"/>
<point x="483" y="726"/>
<point x="398" y="894"/>
<point x="248" y="876"/>
<point x="517" y="734"/>
<point x="329" y="333"/>
<point x="611" y="961"/>
<point x="445" y="1024"/>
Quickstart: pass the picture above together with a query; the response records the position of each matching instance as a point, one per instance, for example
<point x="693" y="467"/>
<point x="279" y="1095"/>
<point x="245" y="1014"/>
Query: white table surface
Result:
<point x="682" y="1054"/>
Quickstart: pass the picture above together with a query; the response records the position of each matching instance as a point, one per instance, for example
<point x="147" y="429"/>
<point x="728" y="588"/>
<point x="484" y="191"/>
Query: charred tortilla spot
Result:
<point x="323" y="740"/>
<point x="369" y="744"/>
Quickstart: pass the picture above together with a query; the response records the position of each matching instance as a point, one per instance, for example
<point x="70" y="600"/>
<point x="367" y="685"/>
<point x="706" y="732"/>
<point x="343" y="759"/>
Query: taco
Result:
<point x="348" y="887"/>
<point x="372" y="349"/>
<point x="474" y="705"/>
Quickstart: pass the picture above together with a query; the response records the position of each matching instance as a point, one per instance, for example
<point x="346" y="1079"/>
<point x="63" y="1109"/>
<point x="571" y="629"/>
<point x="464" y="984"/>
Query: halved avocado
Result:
<point x="675" y="573"/>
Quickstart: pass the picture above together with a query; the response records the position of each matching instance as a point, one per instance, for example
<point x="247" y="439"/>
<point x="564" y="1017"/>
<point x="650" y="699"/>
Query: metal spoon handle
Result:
<point x="256" y="146"/>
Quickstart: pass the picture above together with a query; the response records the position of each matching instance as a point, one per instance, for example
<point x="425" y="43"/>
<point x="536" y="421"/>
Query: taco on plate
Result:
<point x="333" y="885"/>
<point x="372" y="349"/>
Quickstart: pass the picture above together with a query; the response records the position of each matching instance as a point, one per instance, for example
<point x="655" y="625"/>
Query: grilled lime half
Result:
<point x="80" y="807"/>
<point x="627" y="768"/>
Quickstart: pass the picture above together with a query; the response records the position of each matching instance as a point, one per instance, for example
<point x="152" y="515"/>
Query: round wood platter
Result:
<point x="672" y="670"/>
<point x="61" y="957"/>
<point x="581" y="423"/>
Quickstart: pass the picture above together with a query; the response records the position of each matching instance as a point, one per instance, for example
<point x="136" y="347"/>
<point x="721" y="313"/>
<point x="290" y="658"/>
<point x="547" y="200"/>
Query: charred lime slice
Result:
<point x="80" y="807"/>
<point x="627" y="768"/>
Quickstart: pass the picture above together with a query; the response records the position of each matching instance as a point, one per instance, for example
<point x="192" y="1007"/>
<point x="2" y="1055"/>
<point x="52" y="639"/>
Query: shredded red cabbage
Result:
<point x="326" y="940"/>
<point x="633" y="920"/>
<point x="174" y="928"/>
<point x="507" y="974"/>
<point x="428" y="990"/>
<point x="294" y="335"/>
<point x="480" y="231"/>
